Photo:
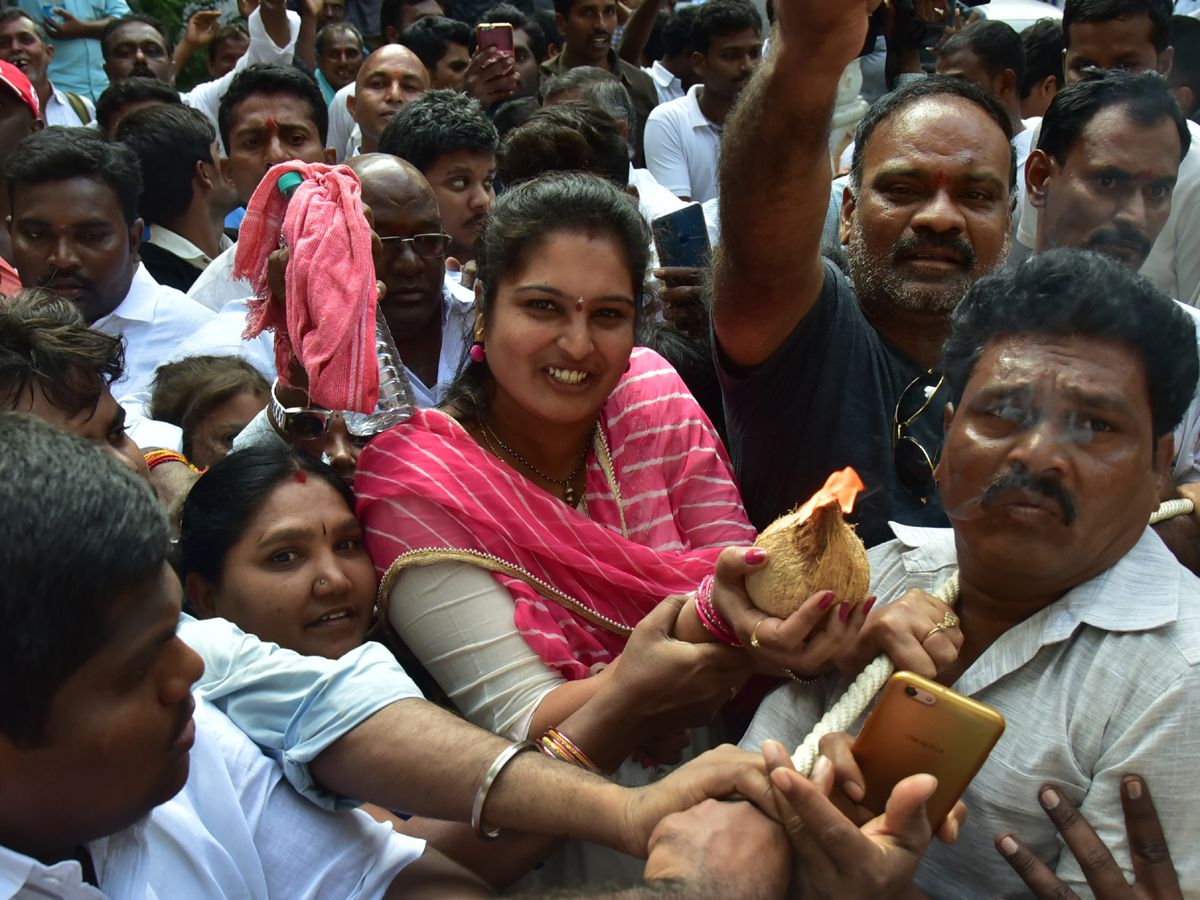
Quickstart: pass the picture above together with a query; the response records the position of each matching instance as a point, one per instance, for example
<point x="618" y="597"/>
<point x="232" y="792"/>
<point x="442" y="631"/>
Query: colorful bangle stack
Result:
<point x="558" y="745"/>
<point x="710" y="618"/>
<point x="158" y="457"/>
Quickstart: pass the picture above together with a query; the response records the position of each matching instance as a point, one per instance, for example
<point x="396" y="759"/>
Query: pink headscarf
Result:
<point x="328" y="321"/>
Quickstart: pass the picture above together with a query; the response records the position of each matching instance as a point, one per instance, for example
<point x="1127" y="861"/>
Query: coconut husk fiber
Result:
<point x="809" y="552"/>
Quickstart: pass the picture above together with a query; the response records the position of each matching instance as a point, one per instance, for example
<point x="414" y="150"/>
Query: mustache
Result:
<point x="1121" y="236"/>
<point x="142" y="71"/>
<point x="912" y="243"/>
<point x="48" y="281"/>
<point x="1023" y="480"/>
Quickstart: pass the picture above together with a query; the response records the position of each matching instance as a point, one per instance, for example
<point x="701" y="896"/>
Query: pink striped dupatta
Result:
<point x="661" y="499"/>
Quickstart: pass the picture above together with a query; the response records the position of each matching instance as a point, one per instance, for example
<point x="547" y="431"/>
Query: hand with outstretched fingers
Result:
<point x="1154" y="876"/>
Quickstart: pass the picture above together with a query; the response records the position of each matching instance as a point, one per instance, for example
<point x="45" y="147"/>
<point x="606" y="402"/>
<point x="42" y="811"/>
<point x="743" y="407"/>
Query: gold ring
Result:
<point x="754" y="634"/>
<point x="949" y="620"/>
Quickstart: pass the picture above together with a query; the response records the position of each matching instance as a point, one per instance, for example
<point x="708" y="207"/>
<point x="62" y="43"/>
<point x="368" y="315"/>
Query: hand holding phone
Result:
<point x="499" y="35"/>
<point x="919" y="726"/>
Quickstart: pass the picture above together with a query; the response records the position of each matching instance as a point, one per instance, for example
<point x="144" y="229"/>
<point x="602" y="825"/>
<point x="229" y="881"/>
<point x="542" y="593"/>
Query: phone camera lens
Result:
<point x="911" y="691"/>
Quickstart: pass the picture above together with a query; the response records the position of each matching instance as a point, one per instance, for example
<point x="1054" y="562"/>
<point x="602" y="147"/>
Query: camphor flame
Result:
<point x="840" y="487"/>
<point x="813" y="549"/>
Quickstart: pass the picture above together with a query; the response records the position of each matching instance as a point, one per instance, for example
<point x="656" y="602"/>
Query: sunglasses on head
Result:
<point x="914" y="463"/>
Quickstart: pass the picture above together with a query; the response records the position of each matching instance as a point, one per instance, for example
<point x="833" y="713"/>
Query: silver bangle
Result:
<point x="492" y="774"/>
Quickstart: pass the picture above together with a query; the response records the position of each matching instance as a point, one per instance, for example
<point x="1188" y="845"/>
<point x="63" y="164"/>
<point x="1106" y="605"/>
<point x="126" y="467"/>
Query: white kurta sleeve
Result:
<point x="457" y="619"/>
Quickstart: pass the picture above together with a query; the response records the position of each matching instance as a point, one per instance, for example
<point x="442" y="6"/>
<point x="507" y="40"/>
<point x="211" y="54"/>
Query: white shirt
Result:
<point x="177" y="244"/>
<point x="206" y="97"/>
<point x="654" y="200"/>
<point x="344" y="133"/>
<point x="155" y="320"/>
<point x="222" y="336"/>
<point x="237" y="829"/>
<point x="682" y="147"/>
<point x="59" y="111"/>
<point x="216" y="285"/>
<point x="668" y="85"/>
<point x="1187" y="433"/>
<point x="1103" y="682"/>
<point x="1023" y="145"/>
<point x="1174" y="262"/>
<point x="458" y="317"/>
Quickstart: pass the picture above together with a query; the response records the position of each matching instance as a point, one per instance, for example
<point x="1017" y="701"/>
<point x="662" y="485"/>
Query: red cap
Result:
<point x="15" y="79"/>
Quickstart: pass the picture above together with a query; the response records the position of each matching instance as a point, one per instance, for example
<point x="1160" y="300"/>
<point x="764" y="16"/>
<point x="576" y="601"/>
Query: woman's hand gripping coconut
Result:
<point x="808" y="573"/>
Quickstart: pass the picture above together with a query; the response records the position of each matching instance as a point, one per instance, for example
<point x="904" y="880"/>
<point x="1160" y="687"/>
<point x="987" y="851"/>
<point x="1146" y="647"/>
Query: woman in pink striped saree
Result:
<point x="567" y="487"/>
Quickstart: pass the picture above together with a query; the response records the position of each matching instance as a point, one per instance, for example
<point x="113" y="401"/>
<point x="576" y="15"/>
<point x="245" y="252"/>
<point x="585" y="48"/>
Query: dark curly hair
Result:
<point x="45" y="344"/>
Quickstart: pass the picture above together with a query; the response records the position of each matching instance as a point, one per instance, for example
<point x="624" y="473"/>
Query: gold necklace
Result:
<point x="566" y="483"/>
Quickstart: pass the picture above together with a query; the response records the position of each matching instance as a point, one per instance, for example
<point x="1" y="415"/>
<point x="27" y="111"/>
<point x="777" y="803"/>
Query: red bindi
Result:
<point x="271" y="126"/>
<point x="941" y="179"/>
<point x="300" y="477"/>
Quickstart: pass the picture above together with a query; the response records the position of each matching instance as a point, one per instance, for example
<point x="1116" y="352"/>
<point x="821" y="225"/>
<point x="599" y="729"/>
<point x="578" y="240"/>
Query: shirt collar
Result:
<point x="696" y="118"/>
<point x="140" y="303"/>
<point x="175" y="243"/>
<point x="1115" y="600"/>
<point x="662" y="75"/>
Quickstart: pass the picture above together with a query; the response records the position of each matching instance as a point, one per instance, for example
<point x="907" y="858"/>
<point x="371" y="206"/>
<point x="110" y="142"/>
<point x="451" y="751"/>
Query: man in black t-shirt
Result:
<point x="815" y="368"/>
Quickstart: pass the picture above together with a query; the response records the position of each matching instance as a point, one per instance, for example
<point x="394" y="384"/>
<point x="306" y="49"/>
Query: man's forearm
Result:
<point x="275" y="21"/>
<point x="637" y="31"/>
<point x="774" y="184"/>
<point x="95" y="29"/>
<point x="663" y="889"/>
<point x="414" y="757"/>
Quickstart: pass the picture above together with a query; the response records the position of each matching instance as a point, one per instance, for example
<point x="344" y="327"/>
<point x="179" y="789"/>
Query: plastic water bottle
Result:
<point x="396" y="400"/>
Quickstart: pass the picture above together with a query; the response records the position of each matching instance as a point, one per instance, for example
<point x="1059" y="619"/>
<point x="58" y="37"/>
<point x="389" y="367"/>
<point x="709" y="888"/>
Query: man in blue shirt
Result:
<point x="75" y="28"/>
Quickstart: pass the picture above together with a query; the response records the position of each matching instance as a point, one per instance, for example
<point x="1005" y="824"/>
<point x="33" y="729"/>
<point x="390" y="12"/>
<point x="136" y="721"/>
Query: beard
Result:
<point x="880" y="279"/>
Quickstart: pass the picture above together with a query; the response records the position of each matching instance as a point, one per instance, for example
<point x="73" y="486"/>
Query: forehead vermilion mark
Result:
<point x="300" y="477"/>
<point x="271" y="126"/>
<point x="941" y="178"/>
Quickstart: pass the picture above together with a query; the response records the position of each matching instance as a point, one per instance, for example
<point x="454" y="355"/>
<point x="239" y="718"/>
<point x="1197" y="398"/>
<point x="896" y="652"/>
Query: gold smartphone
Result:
<point x="918" y="726"/>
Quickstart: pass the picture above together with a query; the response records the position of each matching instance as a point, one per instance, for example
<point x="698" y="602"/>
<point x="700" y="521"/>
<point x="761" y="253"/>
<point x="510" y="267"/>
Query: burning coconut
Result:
<point x="813" y="549"/>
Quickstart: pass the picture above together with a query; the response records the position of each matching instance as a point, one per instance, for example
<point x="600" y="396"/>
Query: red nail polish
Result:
<point x="844" y="613"/>
<point x="867" y="606"/>
<point x="754" y="556"/>
<point x="826" y="601"/>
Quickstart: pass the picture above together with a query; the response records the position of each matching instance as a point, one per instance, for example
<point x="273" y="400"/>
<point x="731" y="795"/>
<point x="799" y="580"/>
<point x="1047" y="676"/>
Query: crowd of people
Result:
<point x="260" y="641"/>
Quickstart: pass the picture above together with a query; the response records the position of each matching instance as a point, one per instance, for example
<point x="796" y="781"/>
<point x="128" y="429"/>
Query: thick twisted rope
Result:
<point x="872" y="679"/>
<point x="859" y="695"/>
<point x="1169" y="509"/>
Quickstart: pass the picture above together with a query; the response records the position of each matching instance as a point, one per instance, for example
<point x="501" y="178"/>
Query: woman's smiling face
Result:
<point x="561" y="329"/>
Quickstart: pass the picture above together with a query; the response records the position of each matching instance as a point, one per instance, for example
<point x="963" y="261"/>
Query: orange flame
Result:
<point x="841" y="487"/>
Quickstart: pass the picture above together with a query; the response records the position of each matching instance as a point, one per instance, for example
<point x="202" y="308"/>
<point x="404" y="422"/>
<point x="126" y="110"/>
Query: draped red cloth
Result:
<point x="426" y="487"/>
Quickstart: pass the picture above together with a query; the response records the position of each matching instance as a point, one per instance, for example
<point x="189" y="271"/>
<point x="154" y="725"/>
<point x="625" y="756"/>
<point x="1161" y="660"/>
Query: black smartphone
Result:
<point x="682" y="238"/>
